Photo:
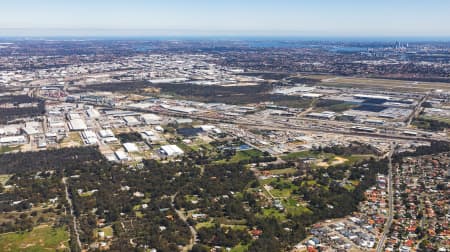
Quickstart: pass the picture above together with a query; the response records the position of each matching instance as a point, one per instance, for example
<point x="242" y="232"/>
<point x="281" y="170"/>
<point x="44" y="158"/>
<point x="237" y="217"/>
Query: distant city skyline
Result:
<point x="328" y="18"/>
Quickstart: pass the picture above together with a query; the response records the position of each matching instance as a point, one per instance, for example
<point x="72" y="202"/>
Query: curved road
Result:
<point x="184" y="218"/>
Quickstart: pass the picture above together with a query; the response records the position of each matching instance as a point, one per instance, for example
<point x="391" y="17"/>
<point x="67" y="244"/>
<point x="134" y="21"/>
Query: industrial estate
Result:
<point x="224" y="146"/>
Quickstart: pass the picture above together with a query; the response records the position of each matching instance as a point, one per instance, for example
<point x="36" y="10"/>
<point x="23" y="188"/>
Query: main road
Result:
<point x="417" y="109"/>
<point x="304" y="124"/>
<point x="388" y="224"/>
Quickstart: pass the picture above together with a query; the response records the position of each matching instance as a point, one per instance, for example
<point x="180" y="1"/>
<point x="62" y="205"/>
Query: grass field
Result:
<point x="271" y="212"/>
<point x="301" y="154"/>
<point x="246" y="155"/>
<point x="387" y="84"/>
<point x="240" y="248"/>
<point x="207" y="224"/>
<point x="235" y="227"/>
<point x="295" y="208"/>
<point x="331" y="158"/>
<point x="352" y="185"/>
<point x="437" y="118"/>
<point x="42" y="238"/>
<point x="74" y="139"/>
<point x="107" y="230"/>
<point x="4" y="178"/>
<point x="283" y="171"/>
<point x="242" y="156"/>
<point x="5" y="149"/>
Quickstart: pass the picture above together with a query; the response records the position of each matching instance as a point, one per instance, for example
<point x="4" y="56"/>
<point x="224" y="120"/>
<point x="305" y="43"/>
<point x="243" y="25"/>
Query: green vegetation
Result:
<point x="15" y="112"/>
<point x="4" y="178"/>
<point x="246" y="155"/>
<point x="108" y="230"/>
<point x="272" y="212"/>
<point x="206" y="224"/>
<point x="229" y="198"/>
<point x="295" y="103"/>
<point x="288" y="171"/>
<point x="293" y="207"/>
<point x="301" y="154"/>
<point x="240" y="248"/>
<point x="42" y="238"/>
<point x="5" y="149"/>
<point x="129" y="137"/>
<point x="336" y="106"/>
<point x="431" y="123"/>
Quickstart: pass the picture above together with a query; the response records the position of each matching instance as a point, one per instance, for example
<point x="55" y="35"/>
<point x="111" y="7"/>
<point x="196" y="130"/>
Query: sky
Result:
<point x="339" y="18"/>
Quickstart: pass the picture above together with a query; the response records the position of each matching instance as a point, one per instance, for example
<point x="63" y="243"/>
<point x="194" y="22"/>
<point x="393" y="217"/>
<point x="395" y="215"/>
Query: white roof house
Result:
<point x="171" y="150"/>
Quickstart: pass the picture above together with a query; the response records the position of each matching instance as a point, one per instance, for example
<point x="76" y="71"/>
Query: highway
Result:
<point x="295" y="124"/>
<point x="274" y="124"/>
<point x="388" y="223"/>
<point x="417" y="109"/>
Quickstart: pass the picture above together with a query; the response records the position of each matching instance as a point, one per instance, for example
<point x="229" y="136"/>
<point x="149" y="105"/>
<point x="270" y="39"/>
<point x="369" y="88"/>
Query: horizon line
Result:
<point x="372" y="38"/>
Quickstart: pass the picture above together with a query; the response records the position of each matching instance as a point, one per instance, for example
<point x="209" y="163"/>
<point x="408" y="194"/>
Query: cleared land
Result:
<point x="42" y="238"/>
<point x="389" y="84"/>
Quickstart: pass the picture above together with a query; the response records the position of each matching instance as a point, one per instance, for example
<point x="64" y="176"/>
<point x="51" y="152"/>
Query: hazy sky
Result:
<point x="226" y="17"/>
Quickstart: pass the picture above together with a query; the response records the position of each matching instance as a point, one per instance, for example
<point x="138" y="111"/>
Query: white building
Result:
<point x="89" y="137"/>
<point x="121" y="155"/>
<point x="171" y="150"/>
<point x="93" y="113"/>
<point x="77" y="125"/>
<point x="131" y="147"/>
<point x="106" y="133"/>
<point x="11" y="140"/>
<point x="131" y="121"/>
<point x="151" y="119"/>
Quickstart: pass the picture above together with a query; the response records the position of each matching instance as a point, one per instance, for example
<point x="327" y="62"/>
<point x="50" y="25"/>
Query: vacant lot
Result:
<point x="42" y="238"/>
<point x="388" y="84"/>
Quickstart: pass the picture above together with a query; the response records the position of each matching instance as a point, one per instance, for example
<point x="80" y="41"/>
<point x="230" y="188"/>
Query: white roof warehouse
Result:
<point x="171" y="150"/>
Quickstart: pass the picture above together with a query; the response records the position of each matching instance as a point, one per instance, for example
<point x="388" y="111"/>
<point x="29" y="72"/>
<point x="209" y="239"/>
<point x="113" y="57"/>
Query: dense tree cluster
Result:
<point x="435" y="147"/>
<point x="57" y="159"/>
<point x="223" y="191"/>
<point x="221" y="236"/>
<point x="16" y="111"/>
<point x="430" y="124"/>
<point x="126" y="86"/>
<point x="351" y="149"/>
<point x="328" y="198"/>
<point x="129" y="137"/>
<point x="333" y="105"/>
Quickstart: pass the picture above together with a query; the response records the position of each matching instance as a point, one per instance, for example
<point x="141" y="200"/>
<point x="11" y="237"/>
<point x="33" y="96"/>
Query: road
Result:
<point x="184" y="218"/>
<point x="74" y="218"/>
<point x="388" y="224"/>
<point x="416" y="110"/>
<point x="303" y="124"/>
